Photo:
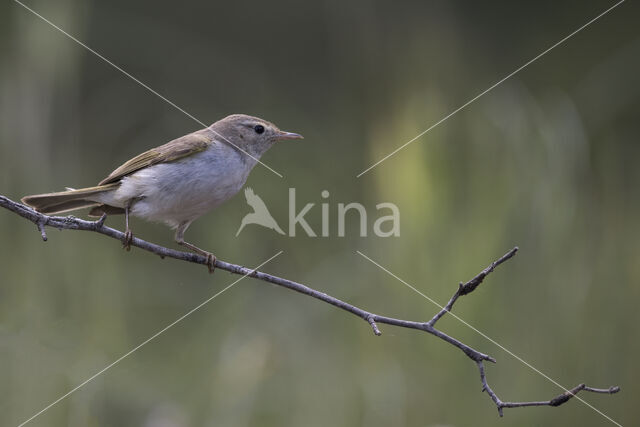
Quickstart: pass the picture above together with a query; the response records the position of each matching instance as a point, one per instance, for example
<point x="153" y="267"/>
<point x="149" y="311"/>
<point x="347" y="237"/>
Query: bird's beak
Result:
<point x="289" y="135"/>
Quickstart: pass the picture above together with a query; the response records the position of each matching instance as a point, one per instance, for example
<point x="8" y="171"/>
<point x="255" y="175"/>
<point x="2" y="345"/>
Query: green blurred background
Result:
<point x="547" y="161"/>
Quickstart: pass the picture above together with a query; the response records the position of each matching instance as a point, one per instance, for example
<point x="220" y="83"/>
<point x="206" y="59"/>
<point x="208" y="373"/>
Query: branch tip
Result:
<point x="373" y="324"/>
<point x="41" y="224"/>
<point x="611" y="390"/>
<point x="100" y="221"/>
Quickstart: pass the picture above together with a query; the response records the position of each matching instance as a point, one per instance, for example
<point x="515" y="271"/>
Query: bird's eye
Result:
<point x="259" y="129"/>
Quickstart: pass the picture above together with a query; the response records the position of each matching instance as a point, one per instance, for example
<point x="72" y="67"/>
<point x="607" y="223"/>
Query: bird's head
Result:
<point x="251" y="134"/>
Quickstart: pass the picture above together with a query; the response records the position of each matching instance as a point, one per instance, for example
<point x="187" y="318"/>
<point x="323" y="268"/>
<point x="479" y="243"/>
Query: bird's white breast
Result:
<point x="185" y="189"/>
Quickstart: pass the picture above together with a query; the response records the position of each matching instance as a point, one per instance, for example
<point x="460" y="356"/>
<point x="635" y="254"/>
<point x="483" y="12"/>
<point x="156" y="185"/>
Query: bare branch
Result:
<point x="43" y="232"/>
<point x="471" y="285"/>
<point x="73" y="223"/>
<point x="556" y="401"/>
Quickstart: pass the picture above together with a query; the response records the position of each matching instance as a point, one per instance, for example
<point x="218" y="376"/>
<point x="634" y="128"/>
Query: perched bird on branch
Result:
<point x="177" y="182"/>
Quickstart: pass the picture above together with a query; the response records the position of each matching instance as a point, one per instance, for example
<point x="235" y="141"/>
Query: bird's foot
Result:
<point x="211" y="262"/>
<point x="210" y="258"/>
<point x="126" y="241"/>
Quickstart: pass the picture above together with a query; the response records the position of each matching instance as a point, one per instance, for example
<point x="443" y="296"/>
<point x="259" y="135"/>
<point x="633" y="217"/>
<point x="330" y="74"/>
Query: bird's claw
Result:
<point x="126" y="241"/>
<point x="211" y="262"/>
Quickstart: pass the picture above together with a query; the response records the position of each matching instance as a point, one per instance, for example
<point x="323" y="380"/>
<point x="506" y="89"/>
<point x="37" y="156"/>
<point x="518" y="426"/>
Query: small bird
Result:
<point x="177" y="182"/>
<point x="260" y="214"/>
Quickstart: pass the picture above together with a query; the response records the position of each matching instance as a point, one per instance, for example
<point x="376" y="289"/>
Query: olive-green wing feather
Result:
<point x="169" y="152"/>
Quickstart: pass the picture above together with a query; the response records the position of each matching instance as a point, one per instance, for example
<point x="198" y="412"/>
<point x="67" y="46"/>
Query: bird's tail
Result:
<point x="64" y="201"/>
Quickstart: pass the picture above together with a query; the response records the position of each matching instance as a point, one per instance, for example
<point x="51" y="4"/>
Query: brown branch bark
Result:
<point x="73" y="223"/>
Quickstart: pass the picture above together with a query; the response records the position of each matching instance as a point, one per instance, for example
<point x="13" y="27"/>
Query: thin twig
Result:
<point x="556" y="401"/>
<point x="471" y="285"/>
<point x="73" y="223"/>
<point x="41" y="226"/>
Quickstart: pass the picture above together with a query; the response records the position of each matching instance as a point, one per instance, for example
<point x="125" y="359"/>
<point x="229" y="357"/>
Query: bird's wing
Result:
<point x="169" y="152"/>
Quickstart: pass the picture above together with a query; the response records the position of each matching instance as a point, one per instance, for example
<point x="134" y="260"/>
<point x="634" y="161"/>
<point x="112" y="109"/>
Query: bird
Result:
<point x="260" y="214"/>
<point x="177" y="182"/>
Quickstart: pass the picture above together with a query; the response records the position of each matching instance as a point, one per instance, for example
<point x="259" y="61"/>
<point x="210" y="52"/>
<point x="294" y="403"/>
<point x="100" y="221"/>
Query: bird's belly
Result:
<point x="181" y="191"/>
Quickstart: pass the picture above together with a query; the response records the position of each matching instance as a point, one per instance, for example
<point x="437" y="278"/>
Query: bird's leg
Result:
<point x="211" y="258"/>
<point x="128" y="235"/>
<point x="179" y="237"/>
